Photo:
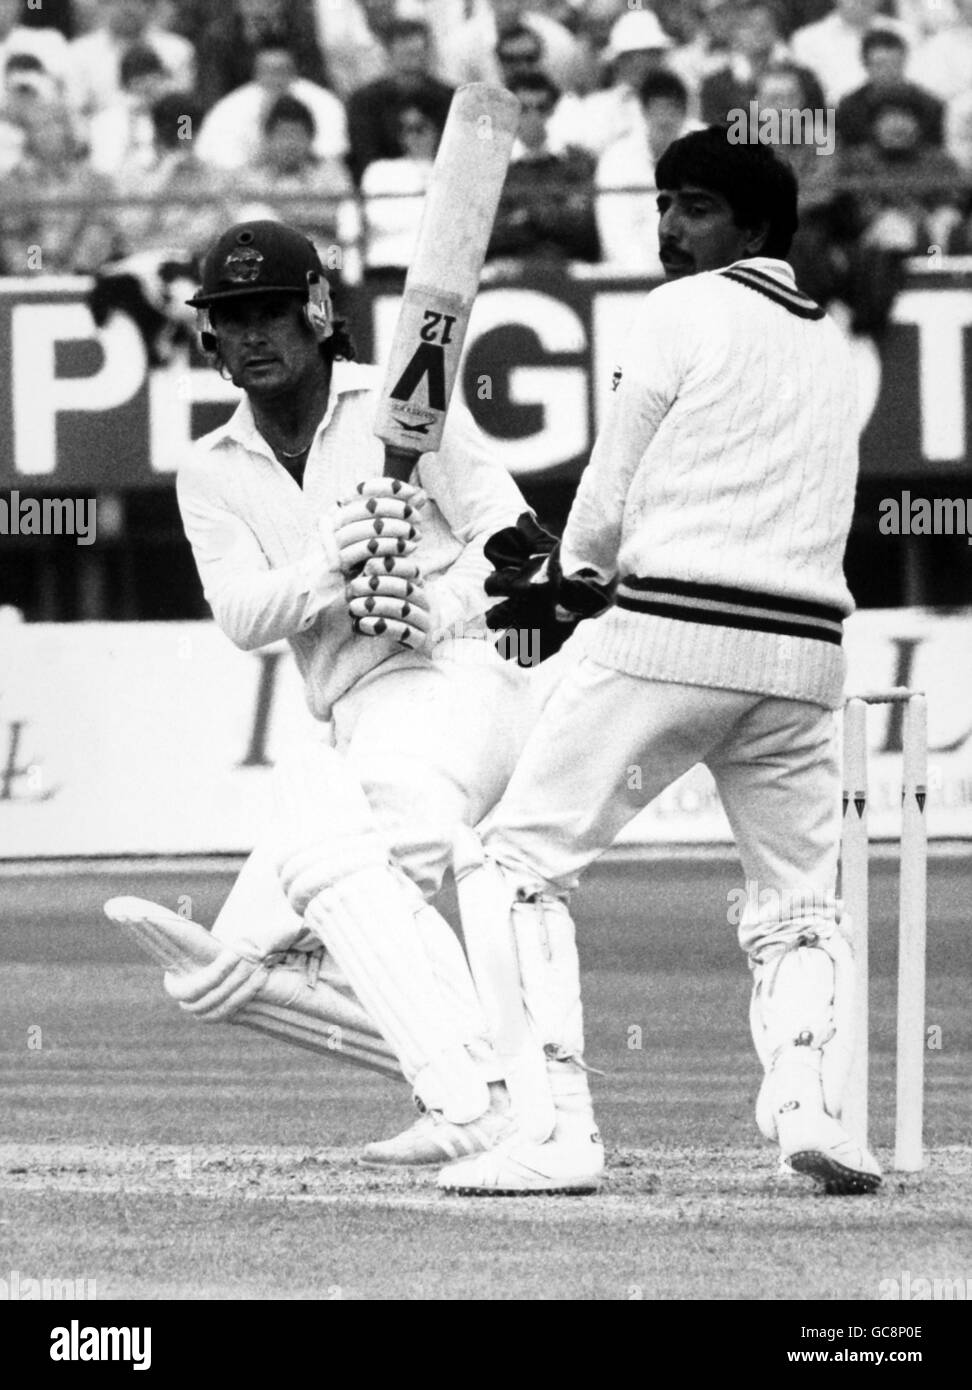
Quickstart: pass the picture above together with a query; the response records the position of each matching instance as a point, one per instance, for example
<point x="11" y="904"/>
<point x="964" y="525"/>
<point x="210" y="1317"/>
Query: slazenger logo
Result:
<point x="77" y="1343"/>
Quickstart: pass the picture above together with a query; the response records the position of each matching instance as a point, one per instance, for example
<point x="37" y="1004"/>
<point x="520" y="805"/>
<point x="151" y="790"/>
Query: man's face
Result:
<point x="419" y="137"/>
<point x="780" y="91"/>
<point x="288" y="146"/>
<point x="885" y="66"/>
<point x="274" y="71"/>
<point x="409" y="59"/>
<point x="756" y="33"/>
<point x="696" y="232"/>
<point x="535" y="108"/>
<point x="664" y="118"/>
<point x="128" y="19"/>
<point x="517" y="55"/>
<point x="265" y="343"/>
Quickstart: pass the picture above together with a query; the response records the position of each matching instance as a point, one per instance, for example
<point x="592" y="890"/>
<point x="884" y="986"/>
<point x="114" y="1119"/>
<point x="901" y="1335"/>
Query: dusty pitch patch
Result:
<point x="687" y="1184"/>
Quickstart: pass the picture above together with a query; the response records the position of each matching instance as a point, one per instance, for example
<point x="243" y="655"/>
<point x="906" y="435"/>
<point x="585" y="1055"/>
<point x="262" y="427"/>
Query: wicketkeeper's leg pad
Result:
<point x="803" y="989"/>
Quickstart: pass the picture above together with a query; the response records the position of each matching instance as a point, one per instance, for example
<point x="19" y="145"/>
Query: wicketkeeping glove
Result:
<point x="540" y="605"/>
<point x="387" y="600"/>
<point x="380" y="519"/>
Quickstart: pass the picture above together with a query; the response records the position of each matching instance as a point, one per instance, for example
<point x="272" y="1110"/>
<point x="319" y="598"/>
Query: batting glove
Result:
<point x="387" y="600"/>
<point x="381" y="519"/>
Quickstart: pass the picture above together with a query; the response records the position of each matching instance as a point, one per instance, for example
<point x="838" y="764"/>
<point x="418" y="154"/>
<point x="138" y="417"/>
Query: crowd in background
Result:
<point x="141" y="126"/>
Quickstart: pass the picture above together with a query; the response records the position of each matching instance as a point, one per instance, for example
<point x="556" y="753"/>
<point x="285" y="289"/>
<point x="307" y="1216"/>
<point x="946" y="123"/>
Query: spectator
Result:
<point x="638" y="46"/>
<point x="831" y="48"/>
<point x="547" y="207"/>
<point x="708" y="49"/>
<point x="393" y="192"/>
<point x="232" y="132"/>
<point x="904" y="198"/>
<point x="819" y="252"/>
<point x="757" y="44"/>
<point x="67" y="230"/>
<point x="627" y="217"/>
<point x="303" y="190"/>
<point x="350" y="34"/>
<point x="943" y="63"/>
<point x="123" y="134"/>
<point x="374" y="110"/>
<point x="230" y="41"/>
<point x="26" y="85"/>
<point x="594" y="20"/>
<point x="16" y="39"/>
<point x="94" y="60"/>
<point x="192" y="200"/>
<point x="470" y="54"/>
<point x="884" y="53"/>
<point x="518" y="50"/>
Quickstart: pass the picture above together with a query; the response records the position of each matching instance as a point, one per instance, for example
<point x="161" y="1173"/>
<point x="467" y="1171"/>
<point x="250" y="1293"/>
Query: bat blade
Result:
<point x="457" y="220"/>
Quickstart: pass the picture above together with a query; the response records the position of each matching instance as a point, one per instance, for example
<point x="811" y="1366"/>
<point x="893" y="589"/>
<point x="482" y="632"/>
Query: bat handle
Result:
<point x="399" y="463"/>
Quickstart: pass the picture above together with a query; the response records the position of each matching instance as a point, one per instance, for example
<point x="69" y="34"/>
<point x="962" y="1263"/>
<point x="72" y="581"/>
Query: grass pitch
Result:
<point x="167" y="1159"/>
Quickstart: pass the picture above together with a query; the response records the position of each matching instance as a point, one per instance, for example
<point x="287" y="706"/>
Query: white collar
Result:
<point x="241" y="427"/>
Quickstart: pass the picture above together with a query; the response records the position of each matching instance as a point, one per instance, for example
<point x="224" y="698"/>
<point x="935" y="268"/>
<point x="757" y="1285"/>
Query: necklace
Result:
<point x="283" y="452"/>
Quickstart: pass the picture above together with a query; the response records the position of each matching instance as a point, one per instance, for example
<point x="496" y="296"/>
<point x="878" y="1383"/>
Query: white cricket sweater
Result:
<point x="265" y="548"/>
<point x="721" y="487"/>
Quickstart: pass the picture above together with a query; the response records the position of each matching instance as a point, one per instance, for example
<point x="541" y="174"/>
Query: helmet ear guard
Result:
<point x="204" y="327"/>
<point x="319" y="311"/>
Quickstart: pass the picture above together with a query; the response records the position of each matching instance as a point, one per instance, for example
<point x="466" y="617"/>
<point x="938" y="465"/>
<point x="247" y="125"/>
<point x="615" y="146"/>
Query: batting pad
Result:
<point x="365" y="921"/>
<point x="289" y="1004"/>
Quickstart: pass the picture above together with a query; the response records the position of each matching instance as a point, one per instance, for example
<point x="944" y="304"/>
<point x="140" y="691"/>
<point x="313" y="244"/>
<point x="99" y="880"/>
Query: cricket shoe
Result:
<point x="433" y="1139"/>
<point x="518" y="1167"/>
<point x="818" y="1146"/>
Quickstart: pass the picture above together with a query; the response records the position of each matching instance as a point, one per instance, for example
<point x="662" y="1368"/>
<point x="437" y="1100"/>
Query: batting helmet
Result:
<point x="263" y="258"/>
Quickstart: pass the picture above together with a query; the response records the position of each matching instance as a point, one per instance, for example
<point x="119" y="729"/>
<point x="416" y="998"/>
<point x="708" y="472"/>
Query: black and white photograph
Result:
<point x="485" y="668"/>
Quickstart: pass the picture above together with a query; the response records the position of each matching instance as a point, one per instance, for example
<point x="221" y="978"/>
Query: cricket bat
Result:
<point x="457" y="220"/>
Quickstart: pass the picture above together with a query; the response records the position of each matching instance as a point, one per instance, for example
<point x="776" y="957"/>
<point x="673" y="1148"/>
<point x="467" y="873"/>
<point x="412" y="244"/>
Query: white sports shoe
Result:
<point x="519" y="1167"/>
<point x="815" y="1144"/>
<point x="433" y="1139"/>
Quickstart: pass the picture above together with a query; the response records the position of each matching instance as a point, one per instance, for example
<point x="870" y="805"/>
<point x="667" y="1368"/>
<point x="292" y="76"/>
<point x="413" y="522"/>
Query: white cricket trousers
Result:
<point x="608" y="743"/>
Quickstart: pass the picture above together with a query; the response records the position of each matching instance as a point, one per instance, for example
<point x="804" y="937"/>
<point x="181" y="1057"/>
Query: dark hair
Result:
<point x="406" y="29"/>
<point x="881" y="38"/>
<point x="519" y="31"/>
<point x="665" y="86"/>
<point x="139" y="61"/>
<point x="291" y="109"/>
<point x="758" y="186"/>
<point x="23" y="62"/>
<point x="535" y="82"/>
<point x="168" y="110"/>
